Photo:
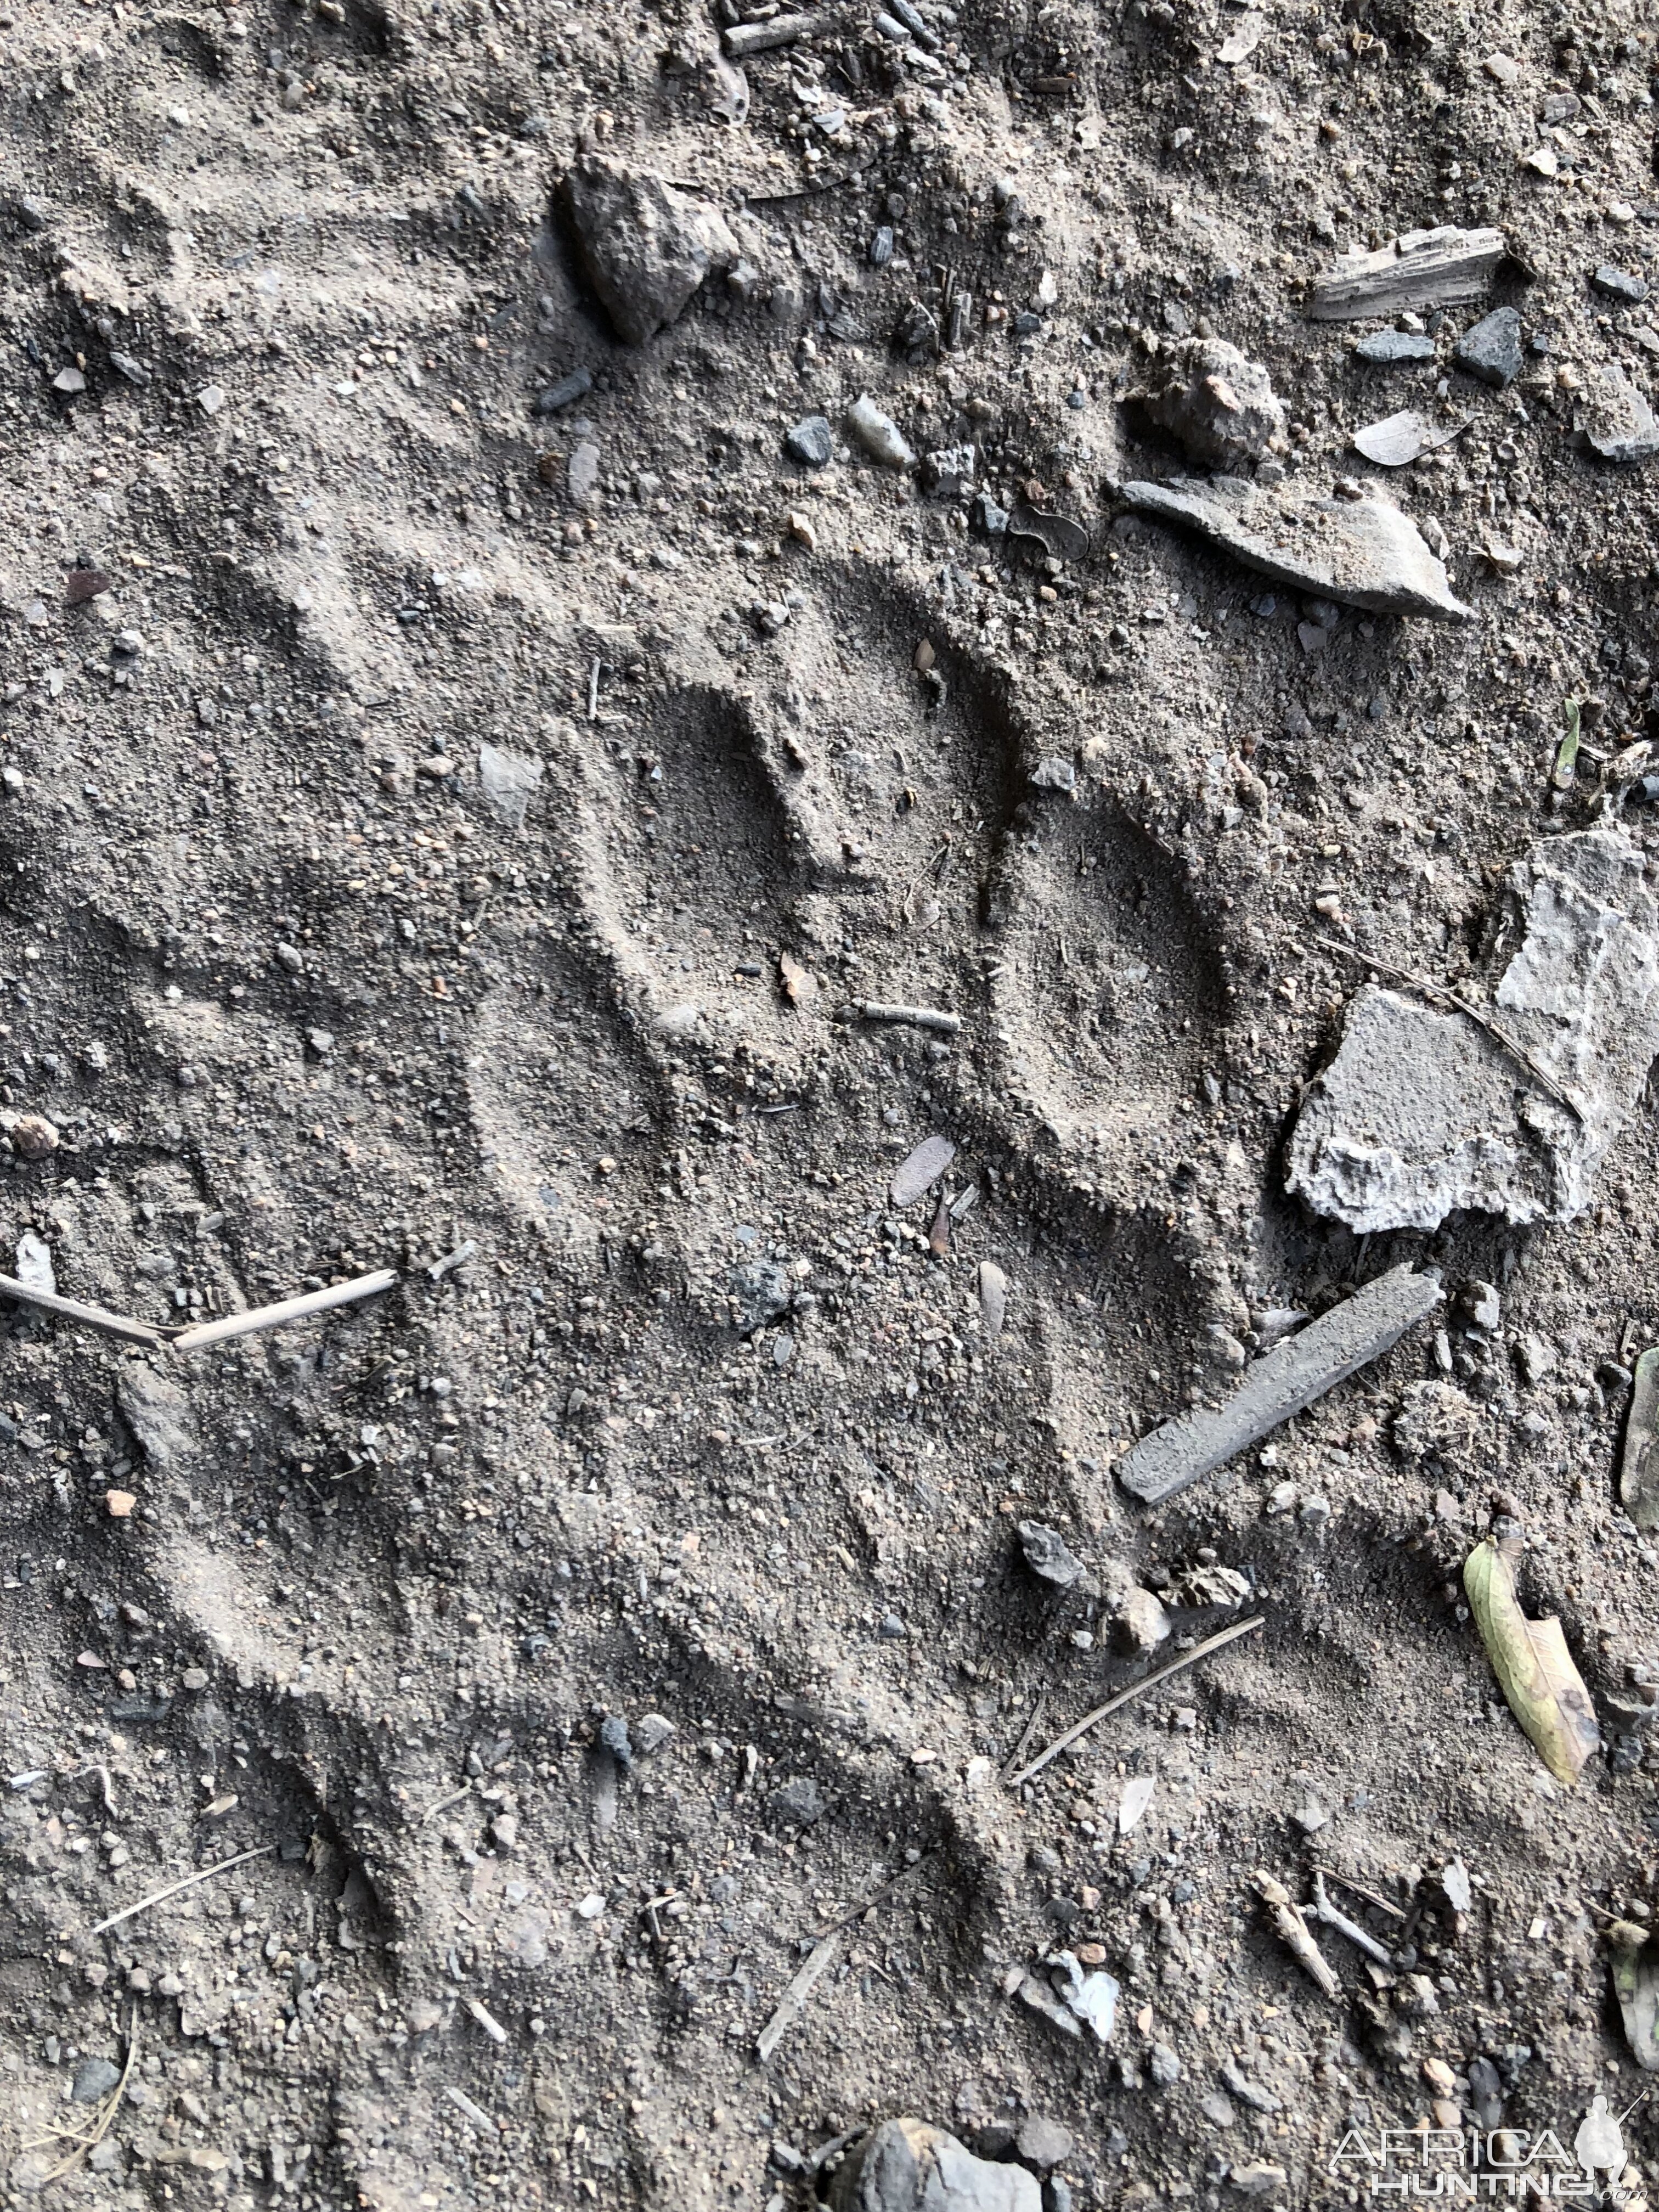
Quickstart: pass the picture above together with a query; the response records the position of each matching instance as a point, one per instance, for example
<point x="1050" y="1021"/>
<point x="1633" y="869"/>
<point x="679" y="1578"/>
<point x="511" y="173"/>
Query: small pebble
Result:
<point x="93" y="2079"/>
<point x="810" y="441"/>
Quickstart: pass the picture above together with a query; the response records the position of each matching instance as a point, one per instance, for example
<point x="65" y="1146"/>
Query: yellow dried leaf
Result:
<point x="1636" y="1985"/>
<point x="1531" y="1660"/>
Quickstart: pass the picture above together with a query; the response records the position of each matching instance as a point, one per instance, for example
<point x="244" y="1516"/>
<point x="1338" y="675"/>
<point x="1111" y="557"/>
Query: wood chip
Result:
<point x="800" y="986"/>
<point x="1446" y="267"/>
<point x="1283" y="1381"/>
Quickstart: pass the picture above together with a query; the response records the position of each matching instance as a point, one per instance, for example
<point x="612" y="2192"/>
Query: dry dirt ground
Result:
<point x="301" y="1002"/>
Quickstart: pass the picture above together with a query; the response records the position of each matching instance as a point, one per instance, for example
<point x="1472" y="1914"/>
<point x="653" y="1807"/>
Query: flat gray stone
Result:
<point x="1491" y="349"/>
<point x="1364" y="553"/>
<point x="810" y="441"/>
<point x="1390" y="349"/>
<point x="799" y="1800"/>
<point x="1422" y="1113"/>
<point x="1049" y="1555"/>
<point x="1043" y="2144"/>
<point x="645" y="244"/>
<point x="1615" y="283"/>
<point x="906" y="2165"/>
<point x="510" y="782"/>
<point x="761" y="1291"/>
<point x="1285" y="1381"/>
<point x="1615" y="420"/>
<point x="158" y="1412"/>
<point x="916" y="1175"/>
<point x="93" y="2079"/>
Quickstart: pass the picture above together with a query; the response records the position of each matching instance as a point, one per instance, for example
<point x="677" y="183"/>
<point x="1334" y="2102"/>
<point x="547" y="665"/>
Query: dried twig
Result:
<point x="915" y="1018"/>
<point x="1325" y="1912"/>
<point x="475" y="2113"/>
<point x="97" y="2123"/>
<point x="1292" y="1931"/>
<point x="1028" y="1733"/>
<point x="1359" y="1889"/>
<point x="1477" y="1015"/>
<point x="793" y="2002"/>
<point x="286" y="1309"/>
<point x="486" y="2019"/>
<point x="160" y="1896"/>
<point x="874" y="1898"/>
<point x="1228" y="1635"/>
<point x="134" y="1332"/>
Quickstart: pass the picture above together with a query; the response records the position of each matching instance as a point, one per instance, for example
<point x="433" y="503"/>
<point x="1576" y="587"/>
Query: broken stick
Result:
<point x="1228" y="1635"/>
<point x="134" y="1332"/>
<point x="915" y="1018"/>
<point x="1283" y="1382"/>
<point x="160" y="1896"/>
<point x="1444" y="268"/>
<point x="1325" y="1912"/>
<point x="1292" y="1931"/>
<point x="263" y="1317"/>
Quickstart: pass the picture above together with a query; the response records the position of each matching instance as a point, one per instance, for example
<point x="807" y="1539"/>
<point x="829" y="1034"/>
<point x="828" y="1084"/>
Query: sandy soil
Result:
<point x="302" y="998"/>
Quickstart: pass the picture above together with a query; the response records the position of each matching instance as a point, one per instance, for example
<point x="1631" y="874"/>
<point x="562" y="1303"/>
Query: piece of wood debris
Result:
<point x="795" y="1999"/>
<point x="134" y="1332"/>
<point x="451" y="1260"/>
<point x="1285" y="1381"/>
<point x="486" y="2019"/>
<point x="1324" y="1911"/>
<point x="475" y="2113"/>
<point x="915" y="1018"/>
<point x="160" y="1896"/>
<point x="1446" y="267"/>
<point x="287" y="1309"/>
<point x="1638" y="1469"/>
<point x="799" y="983"/>
<point x="1292" y="1931"/>
<point x="742" y="40"/>
<point x="1211" y="1643"/>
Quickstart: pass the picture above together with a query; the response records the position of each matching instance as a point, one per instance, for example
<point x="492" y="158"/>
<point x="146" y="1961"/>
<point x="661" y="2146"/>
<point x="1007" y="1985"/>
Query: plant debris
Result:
<point x="1530" y="1659"/>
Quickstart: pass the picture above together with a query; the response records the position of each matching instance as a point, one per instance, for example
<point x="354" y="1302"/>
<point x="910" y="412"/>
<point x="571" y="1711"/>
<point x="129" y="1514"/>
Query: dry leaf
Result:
<point x="798" y="985"/>
<point x="1636" y="1985"/>
<point x="1531" y="1660"/>
<point x="1401" y="438"/>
